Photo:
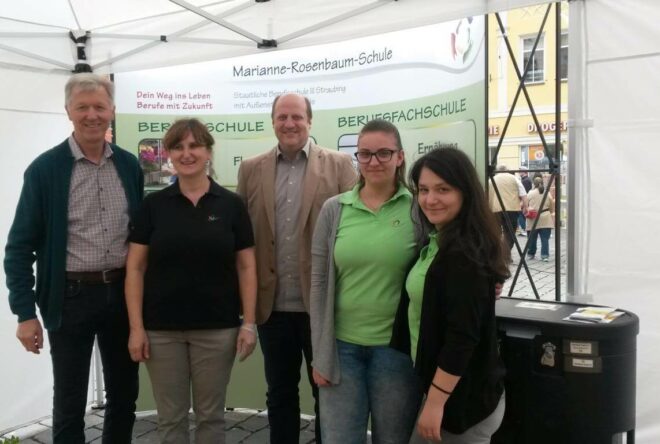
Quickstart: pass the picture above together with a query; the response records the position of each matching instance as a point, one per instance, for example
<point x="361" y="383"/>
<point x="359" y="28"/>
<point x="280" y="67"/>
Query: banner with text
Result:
<point x="429" y="81"/>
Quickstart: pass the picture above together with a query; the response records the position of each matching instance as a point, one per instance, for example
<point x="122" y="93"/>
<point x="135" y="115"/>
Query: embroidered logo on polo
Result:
<point x="213" y="218"/>
<point x="396" y="222"/>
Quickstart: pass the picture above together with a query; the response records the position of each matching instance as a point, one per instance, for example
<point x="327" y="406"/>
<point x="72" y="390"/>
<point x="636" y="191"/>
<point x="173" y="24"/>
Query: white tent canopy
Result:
<point x="127" y="35"/>
<point x="614" y="124"/>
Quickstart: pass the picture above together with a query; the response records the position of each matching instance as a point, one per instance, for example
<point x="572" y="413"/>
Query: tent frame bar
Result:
<point x="170" y="38"/>
<point x="176" y="34"/>
<point x="333" y="20"/>
<point x="217" y="20"/>
<point x="36" y="56"/>
<point x="30" y="35"/>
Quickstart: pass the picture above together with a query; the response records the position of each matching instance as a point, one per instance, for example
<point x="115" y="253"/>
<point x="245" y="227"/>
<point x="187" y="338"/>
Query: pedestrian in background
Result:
<point x="546" y="220"/>
<point x="526" y="182"/>
<point x="514" y="199"/>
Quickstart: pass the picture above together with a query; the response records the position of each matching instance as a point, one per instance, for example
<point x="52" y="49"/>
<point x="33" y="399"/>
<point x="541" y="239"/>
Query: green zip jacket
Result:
<point x="39" y="231"/>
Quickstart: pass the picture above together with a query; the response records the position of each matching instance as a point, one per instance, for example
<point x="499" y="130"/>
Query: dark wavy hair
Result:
<point x="383" y="126"/>
<point x="475" y="232"/>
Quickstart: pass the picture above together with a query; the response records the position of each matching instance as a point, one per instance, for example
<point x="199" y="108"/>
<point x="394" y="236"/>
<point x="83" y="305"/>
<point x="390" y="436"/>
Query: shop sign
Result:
<point x="547" y="126"/>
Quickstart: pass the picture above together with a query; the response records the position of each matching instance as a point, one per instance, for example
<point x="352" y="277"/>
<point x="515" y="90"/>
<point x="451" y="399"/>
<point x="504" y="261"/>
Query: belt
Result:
<point x="97" y="277"/>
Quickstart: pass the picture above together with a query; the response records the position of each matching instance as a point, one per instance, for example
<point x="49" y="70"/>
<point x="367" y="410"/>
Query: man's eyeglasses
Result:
<point x="382" y="155"/>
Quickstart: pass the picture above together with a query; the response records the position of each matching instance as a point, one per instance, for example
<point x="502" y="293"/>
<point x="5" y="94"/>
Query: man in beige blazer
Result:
<point x="514" y="199"/>
<point x="284" y="190"/>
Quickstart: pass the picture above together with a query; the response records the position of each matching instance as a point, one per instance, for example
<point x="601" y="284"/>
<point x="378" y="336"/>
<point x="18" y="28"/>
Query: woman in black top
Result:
<point x="190" y="270"/>
<point x="447" y="315"/>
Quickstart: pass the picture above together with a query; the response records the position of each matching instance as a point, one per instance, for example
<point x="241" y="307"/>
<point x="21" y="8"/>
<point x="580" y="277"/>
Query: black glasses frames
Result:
<point x="382" y="155"/>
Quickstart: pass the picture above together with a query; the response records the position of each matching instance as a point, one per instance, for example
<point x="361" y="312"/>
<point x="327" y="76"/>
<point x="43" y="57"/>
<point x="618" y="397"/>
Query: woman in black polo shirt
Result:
<point x="190" y="270"/>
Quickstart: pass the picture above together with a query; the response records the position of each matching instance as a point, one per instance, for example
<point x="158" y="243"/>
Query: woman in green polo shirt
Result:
<point x="363" y="244"/>
<point x="447" y="314"/>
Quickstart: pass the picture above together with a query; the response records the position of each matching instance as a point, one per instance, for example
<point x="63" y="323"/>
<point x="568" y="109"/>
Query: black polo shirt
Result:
<point x="191" y="280"/>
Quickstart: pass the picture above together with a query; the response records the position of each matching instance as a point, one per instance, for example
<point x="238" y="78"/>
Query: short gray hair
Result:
<point x="88" y="82"/>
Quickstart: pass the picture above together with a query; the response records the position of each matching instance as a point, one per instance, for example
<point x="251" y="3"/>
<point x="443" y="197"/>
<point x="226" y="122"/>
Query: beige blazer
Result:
<point x="546" y="218"/>
<point x="327" y="173"/>
<point x="507" y="185"/>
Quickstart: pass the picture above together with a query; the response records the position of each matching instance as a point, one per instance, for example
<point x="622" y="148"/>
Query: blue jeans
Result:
<point x="90" y="310"/>
<point x="522" y="221"/>
<point x="285" y="338"/>
<point x="544" y="234"/>
<point x="376" y="380"/>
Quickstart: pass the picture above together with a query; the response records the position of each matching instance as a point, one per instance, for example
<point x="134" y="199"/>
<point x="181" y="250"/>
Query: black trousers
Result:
<point x="509" y="223"/>
<point x="285" y="339"/>
<point x="89" y="311"/>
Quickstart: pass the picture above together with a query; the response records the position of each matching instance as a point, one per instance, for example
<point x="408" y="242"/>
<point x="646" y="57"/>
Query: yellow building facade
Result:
<point x="521" y="145"/>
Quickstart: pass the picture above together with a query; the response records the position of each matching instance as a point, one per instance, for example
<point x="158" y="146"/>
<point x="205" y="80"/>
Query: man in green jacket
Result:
<point x="73" y="219"/>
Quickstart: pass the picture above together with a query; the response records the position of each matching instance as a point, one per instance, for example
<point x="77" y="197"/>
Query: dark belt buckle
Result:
<point x="106" y="276"/>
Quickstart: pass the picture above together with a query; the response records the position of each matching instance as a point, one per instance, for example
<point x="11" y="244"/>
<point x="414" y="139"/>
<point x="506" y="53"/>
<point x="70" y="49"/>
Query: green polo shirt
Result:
<point x="372" y="252"/>
<point x="415" y="289"/>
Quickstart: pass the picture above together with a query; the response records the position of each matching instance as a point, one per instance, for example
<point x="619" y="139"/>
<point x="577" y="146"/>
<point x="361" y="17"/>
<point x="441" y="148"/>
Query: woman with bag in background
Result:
<point x="546" y="217"/>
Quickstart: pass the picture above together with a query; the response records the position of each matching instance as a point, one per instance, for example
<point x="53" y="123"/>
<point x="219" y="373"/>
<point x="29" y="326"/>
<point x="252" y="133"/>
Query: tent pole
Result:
<point x="558" y="148"/>
<point x="578" y="168"/>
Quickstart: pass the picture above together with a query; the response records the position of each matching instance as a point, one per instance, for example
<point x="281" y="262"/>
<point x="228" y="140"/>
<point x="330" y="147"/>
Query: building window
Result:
<point x="535" y="72"/>
<point x="563" y="56"/>
<point x="534" y="157"/>
<point x="524" y="155"/>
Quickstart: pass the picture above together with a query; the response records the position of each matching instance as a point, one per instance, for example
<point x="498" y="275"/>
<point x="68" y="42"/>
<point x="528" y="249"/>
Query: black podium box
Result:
<point x="567" y="382"/>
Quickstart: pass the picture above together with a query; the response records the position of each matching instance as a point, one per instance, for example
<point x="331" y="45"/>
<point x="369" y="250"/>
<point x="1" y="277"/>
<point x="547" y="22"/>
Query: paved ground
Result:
<point x="243" y="426"/>
<point x="543" y="273"/>
<point x="250" y="426"/>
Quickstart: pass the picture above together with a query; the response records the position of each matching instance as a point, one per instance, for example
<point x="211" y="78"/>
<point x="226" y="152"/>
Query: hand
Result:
<point x="498" y="290"/>
<point x="429" y="422"/>
<point x="319" y="380"/>
<point x="246" y="341"/>
<point x="138" y="345"/>
<point x="31" y="335"/>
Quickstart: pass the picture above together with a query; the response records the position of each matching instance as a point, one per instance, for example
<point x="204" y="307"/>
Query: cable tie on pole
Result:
<point x="267" y="43"/>
<point x="580" y="123"/>
<point x="80" y="37"/>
